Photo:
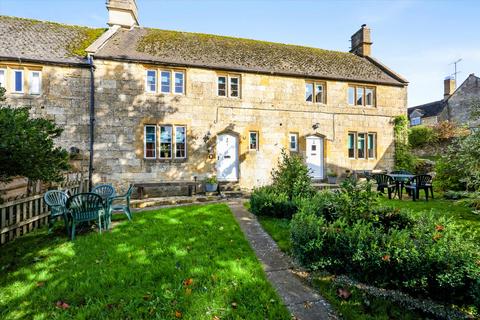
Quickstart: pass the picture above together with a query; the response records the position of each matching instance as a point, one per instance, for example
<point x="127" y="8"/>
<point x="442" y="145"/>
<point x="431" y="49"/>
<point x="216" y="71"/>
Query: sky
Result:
<point x="417" y="39"/>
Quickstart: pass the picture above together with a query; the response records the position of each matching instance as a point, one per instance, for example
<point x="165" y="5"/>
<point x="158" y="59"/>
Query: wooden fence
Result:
<point x="21" y="216"/>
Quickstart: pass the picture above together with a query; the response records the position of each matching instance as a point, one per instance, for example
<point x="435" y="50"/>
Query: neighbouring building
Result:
<point x="172" y="105"/>
<point x="455" y="105"/>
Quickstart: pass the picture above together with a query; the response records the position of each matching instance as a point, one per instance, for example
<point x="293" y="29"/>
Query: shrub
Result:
<point x="404" y="158"/>
<point x="420" y="136"/>
<point x="267" y="201"/>
<point x="292" y="177"/>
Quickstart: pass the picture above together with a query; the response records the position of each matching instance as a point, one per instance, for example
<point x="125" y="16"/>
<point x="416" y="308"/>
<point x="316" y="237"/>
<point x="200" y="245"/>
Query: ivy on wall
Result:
<point x="404" y="158"/>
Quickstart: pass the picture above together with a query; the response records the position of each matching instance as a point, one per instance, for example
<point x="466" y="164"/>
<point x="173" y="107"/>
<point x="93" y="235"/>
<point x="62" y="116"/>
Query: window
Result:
<point x="416" y="121"/>
<point x="253" y="145"/>
<point x="165" y="142"/>
<point x="3" y="74"/>
<point x="351" y="145"/>
<point x="180" y="142"/>
<point x="234" y="87"/>
<point x="18" y="81"/>
<point x="371" y="145"/>
<point x="351" y="95"/>
<point x="315" y="92"/>
<point x="179" y="82"/>
<point x="150" y="139"/>
<point x="222" y="86"/>
<point x="309" y="92"/>
<point x="361" y="96"/>
<point x="35" y="82"/>
<point x="362" y="145"/>
<point x="293" y="140"/>
<point x="165" y="81"/>
<point x="151" y="81"/>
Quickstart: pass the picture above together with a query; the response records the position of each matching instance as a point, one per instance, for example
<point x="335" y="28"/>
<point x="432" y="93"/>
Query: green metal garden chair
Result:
<point x="385" y="182"/>
<point x="56" y="200"/>
<point x="85" y="207"/>
<point x="121" y="203"/>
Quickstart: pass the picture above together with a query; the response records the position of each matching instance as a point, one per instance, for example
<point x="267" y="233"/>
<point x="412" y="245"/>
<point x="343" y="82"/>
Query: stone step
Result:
<point x="168" y="201"/>
<point x="229" y="186"/>
<point x="232" y="194"/>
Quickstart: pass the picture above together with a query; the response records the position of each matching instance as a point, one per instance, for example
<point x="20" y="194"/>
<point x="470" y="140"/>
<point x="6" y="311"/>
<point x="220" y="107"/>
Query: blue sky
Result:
<point x="417" y="39"/>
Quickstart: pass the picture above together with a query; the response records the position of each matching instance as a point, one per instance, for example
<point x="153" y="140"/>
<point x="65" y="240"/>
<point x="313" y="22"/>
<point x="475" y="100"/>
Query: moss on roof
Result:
<point x="86" y="37"/>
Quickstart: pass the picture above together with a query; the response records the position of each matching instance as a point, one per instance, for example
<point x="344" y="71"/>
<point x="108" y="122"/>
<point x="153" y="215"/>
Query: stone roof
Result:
<point x="33" y="40"/>
<point x="429" y="109"/>
<point x="226" y="53"/>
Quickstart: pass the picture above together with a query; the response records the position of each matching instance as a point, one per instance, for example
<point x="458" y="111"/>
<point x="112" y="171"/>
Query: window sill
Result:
<point x="175" y="160"/>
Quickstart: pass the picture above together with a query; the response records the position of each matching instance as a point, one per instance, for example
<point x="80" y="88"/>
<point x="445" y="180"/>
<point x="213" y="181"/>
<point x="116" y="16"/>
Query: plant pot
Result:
<point x="332" y="180"/>
<point x="211" y="187"/>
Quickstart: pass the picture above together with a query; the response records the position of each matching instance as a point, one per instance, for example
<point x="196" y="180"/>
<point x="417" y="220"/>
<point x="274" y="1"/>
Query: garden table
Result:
<point x="400" y="179"/>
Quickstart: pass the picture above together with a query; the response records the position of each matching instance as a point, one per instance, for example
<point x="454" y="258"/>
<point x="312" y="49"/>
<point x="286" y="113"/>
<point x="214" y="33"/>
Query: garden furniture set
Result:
<point x="398" y="180"/>
<point x="96" y="205"/>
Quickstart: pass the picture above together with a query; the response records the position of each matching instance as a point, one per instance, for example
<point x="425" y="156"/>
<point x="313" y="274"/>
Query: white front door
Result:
<point x="315" y="156"/>
<point x="227" y="157"/>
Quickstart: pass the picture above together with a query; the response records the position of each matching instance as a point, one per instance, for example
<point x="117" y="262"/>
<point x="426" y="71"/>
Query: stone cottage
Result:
<point x="455" y="105"/>
<point x="151" y="105"/>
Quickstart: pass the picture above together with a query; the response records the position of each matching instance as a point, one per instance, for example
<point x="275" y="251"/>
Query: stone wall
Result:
<point x="459" y="103"/>
<point x="273" y="106"/>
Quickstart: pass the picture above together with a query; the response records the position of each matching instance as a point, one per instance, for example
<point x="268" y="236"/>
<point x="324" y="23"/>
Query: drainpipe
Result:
<point x="92" y="121"/>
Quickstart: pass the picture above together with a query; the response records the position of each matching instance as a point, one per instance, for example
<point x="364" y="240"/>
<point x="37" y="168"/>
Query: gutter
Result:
<point x="45" y="62"/>
<point x="92" y="121"/>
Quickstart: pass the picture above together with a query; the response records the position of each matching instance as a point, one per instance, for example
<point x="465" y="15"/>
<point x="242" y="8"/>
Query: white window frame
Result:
<point x="364" y="95"/>
<point x="416" y="121"/>
<point x="14" y="89"/>
<point x="147" y="86"/>
<point x="295" y="135"/>
<point x="4" y="83"/>
<point x="173" y="81"/>
<point x="310" y="83"/>
<point x="250" y="141"/>
<point x="160" y="141"/>
<point x="354" y="145"/>
<point x="230" y="77"/>
<point x="31" y="82"/>
<point x="226" y="85"/>
<point x="175" y="148"/>
<point x="145" y="141"/>
<point x="160" y="83"/>
<point x="324" y="90"/>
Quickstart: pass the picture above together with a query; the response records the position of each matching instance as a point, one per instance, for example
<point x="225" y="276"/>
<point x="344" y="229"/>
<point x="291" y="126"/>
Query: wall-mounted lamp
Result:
<point x="207" y="137"/>
<point x="315" y="126"/>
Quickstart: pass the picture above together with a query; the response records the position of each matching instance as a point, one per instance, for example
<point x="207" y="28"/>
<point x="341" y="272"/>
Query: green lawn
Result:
<point x="186" y="262"/>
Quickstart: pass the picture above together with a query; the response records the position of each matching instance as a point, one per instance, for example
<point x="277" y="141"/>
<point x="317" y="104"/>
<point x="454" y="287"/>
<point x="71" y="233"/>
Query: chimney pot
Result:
<point x="361" y="42"/>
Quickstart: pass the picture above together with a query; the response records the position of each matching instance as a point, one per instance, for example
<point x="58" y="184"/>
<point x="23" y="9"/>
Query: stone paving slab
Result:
<point x="302" y="301"/>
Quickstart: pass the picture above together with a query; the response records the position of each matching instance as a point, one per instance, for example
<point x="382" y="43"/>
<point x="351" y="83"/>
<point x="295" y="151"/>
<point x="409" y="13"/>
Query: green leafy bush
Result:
<point x="404" y="159"/>
<point x="420" y="136"/>
<point x="386" y="247"/>
<point x="267" y="201"/>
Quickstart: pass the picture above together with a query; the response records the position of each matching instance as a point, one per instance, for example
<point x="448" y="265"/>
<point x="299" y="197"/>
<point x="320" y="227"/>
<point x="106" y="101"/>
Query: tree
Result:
<point x="27" y="146"/>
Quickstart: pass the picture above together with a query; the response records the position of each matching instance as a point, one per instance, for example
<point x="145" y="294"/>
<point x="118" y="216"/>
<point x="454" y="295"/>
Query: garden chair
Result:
<point x="104" y="190"/>
<point x="57" y="201"/>
<point x="420" y="182"/>
<point x="385" y="182"/>
<point x="121" y="203"/>
<point x="84" y="207"/>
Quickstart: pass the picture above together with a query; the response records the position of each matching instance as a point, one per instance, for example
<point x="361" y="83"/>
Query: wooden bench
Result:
<point x="192" y="186"/>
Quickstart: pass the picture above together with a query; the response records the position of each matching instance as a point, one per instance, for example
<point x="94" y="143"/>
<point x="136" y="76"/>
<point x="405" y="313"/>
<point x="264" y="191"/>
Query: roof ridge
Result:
<point x="49" y="22"/>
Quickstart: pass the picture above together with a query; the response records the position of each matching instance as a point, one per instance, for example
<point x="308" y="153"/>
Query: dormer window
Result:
<point x="416" y="121"/>
<point x="361" y="96"/>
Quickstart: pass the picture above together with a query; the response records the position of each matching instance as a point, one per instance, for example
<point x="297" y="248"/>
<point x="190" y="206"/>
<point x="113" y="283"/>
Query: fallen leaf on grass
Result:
<point x="178" y="314"/>
<point x="188" y="291"/>
<point x="187" y="282"/>
<point x="62" y="305"/>
<point x="215" y="318"/>
<point x="234" y="305"/>
<point x="343" y="293"/>
<point x="40" y="284"/>
<point x="307" y="305"/>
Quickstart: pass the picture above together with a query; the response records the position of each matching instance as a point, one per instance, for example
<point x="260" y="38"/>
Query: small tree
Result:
<point x="292" y="176"/>
<point x="27" y="146"/>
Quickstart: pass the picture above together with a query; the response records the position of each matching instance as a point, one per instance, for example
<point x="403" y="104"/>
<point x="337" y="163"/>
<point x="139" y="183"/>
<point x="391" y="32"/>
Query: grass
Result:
<point x="185" y="262"/>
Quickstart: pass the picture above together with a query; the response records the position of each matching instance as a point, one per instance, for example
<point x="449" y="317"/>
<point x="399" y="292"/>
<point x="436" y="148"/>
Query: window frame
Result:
<point x="257" y="147"/>
<point x="225" y="77"/>
<point x="147" y="86"/>
<point x="354" y="134"/>
<point x="295" y="135"/>
<point x="14" y="73"/>
<point x="414" y="123"/>
<point x="314" y="85"/>
<point x="174" y="87"/>
<point x="5" y="82"/>
<point x="374" y="142"/>
<point x="30" y="81"/>
<point x="161" y="71"/>
<point x="364" y="145"/>
<point x="145" y="141"/>
<point x="364" y="89"/>
<point x="230" y="77"/>
<point x="160" y="141"/>
<point x="175" y="139"/>
<point x="356" y="149"/>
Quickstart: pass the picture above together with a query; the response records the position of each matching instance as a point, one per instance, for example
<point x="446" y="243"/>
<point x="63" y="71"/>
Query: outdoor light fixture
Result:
<point x="207" y="137"/>
<point x="315" y="126"/>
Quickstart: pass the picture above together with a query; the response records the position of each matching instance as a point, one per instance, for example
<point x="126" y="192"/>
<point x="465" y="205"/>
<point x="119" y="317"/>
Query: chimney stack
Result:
<point x="449" y="86"/>
<point x="123" y="13"/>
<point x="361" y="42"/>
